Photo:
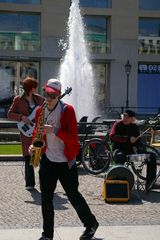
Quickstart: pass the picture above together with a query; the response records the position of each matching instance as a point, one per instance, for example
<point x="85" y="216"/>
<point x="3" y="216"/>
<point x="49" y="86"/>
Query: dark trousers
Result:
<point x="120" y="158"/>
<point x="29" y="173"/>
<point x="49" y="174"/>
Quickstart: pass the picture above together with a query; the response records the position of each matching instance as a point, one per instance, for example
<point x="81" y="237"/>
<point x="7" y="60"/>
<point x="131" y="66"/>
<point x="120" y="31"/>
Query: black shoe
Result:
<point x="44" y="238"/>
<point x="89" y="232"/>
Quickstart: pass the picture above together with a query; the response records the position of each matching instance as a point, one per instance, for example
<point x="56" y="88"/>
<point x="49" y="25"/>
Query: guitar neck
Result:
<point x="65" y="93"/>
<point x="62" y="95"/>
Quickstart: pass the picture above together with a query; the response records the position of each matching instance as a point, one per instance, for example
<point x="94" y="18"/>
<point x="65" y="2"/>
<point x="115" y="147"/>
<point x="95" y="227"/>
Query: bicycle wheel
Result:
<point x="154" y="151"/>
<point x="140" y="167"/>
<point x="95" y="156"/>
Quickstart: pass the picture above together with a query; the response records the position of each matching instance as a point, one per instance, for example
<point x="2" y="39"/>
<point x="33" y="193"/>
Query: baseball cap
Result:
<point x="53" y="85"/>
<point x="130" y="113"/>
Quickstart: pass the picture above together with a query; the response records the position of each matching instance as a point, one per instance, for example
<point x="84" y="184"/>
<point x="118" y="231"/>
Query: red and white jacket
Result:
<point x="68" y="131"/>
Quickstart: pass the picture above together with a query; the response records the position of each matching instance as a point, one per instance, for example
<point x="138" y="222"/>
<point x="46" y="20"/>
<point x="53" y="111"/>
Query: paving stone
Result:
<point x="21" y="209"/>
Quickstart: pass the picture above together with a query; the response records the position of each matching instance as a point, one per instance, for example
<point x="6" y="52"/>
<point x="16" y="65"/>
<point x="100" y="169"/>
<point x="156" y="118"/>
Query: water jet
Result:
<point x="76" y="70"/>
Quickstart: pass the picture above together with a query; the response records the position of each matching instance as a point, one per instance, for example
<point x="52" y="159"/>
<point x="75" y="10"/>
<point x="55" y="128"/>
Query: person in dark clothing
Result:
<point x="124" y="135"/>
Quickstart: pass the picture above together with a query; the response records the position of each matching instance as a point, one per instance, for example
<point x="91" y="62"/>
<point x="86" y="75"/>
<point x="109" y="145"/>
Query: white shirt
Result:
<point x="55" y="146"/>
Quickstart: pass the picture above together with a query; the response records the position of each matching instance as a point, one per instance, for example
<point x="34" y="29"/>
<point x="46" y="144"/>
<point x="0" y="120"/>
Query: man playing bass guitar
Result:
<point x="21" y="109"/>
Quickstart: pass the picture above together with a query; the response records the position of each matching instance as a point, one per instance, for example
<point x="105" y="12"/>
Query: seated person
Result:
<point x="124" y="135"/>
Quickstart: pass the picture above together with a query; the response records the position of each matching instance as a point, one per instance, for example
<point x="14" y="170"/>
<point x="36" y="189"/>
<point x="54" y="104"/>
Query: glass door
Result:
<point x="12" y="73"/>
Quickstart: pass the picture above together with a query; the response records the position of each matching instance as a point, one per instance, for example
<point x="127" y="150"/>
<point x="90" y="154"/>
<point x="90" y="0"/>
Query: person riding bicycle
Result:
<point x="123" y="135"/>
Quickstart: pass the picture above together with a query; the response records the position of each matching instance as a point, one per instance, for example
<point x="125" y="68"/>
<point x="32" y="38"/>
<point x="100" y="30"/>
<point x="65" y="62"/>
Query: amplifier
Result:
<point x="116" y="191"/>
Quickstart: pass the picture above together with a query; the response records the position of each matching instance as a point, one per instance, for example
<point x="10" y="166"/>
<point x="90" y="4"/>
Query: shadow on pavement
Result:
<point x="36" y="195"/>
<point x="58" y="200"/>
<point x="153" y="196"/>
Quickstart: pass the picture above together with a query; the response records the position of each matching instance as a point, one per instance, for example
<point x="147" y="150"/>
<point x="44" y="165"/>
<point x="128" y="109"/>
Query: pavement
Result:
<point x="20" y="210"/>
<point x="73" y="233"/>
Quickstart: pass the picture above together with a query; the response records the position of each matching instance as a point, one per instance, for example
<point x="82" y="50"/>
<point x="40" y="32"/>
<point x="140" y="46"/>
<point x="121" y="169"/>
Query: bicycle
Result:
<point x="97" y="157"/>
<point x="86" y="130"/>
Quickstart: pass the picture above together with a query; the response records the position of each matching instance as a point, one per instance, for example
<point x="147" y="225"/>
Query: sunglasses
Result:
<point x="50" y="95"/>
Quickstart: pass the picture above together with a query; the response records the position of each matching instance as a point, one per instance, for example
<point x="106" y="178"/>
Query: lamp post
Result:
<point x="127" y="71"/>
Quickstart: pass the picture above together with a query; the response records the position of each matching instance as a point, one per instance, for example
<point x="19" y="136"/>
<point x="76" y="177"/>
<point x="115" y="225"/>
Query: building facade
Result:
<point x="117" y="32"/>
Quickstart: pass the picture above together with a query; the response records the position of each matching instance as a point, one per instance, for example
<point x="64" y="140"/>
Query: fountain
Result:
<point x="76" y="70"/>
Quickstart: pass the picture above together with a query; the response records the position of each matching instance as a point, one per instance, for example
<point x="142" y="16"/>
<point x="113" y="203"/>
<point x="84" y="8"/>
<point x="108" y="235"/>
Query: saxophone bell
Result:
<point x="38" y="143"/>
<point x="36" y="154"/>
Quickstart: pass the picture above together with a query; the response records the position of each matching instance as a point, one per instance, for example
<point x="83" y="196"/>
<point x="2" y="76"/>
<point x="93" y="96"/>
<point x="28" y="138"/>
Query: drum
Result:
<point x="138" y="158"/>
<point x="120" y="172"/>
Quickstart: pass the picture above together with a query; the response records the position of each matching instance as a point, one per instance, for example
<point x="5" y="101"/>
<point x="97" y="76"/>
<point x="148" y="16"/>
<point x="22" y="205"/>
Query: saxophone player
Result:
<point x="58" y="161"/>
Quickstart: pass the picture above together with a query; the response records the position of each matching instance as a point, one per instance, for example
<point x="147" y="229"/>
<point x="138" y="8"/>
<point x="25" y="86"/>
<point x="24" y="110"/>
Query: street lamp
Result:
<point x="127" y="71"/>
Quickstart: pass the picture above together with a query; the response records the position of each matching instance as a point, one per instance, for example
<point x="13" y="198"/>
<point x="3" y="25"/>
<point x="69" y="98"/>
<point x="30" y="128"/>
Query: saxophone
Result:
<point x="38" y="141"/>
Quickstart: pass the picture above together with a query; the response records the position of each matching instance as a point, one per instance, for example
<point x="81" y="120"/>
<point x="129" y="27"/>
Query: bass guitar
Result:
<point x="27" y="129"/>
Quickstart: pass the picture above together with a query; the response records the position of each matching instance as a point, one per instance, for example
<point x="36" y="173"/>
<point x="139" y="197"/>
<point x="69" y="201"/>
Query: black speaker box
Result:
<point x="116" y="191"/>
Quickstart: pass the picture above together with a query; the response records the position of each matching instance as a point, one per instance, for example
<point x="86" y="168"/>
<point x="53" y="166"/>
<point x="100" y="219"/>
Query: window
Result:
<point x="22" y="1"/>
<point x="96" y="34"/>
<point x="12" y="74"/>
<point x="148" y="85"/>
<point x="95" y="3"/>
<point x="19" y="31"/>
<point x="149" y="36"/>
<point x="149" y="4"/>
